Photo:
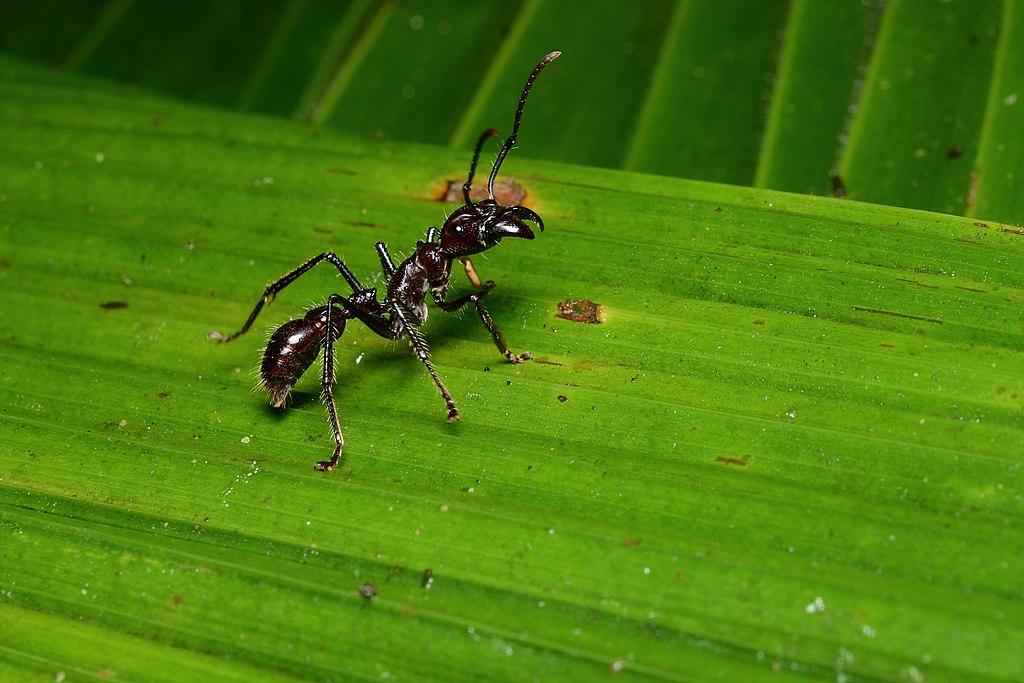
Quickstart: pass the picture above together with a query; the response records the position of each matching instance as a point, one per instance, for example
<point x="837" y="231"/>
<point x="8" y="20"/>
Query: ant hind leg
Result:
<point x="328" y="388"/>
<point x="275" y="287"/>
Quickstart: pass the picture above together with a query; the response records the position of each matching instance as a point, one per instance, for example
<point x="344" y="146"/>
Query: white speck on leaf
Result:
<point x="815" y="606"/>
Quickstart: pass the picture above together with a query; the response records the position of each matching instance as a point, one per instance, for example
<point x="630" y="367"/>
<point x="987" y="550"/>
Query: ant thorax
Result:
<point x="428" y="269"/>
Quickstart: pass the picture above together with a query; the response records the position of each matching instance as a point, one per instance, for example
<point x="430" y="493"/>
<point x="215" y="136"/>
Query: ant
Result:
<point x="470" y="229"/>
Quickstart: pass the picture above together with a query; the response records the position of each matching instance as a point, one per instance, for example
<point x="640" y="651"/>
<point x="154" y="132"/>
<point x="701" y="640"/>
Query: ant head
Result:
<point x="475" y="227"/>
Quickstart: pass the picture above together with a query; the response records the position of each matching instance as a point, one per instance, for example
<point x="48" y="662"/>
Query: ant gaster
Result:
<point x="470" y="229"/>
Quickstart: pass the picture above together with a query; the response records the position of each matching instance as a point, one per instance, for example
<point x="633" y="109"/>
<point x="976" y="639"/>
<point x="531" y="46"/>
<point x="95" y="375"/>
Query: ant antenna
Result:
<point x="511" y="139"/>
<point x="489" y="133"/>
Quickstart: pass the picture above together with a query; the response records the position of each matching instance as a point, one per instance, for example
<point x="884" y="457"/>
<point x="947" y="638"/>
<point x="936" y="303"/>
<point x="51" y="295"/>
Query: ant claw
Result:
<point x="216" y="336"/>
<point x="324" y="466"/>
<point x="453" y="416"/>
<point x="519" y="358"/>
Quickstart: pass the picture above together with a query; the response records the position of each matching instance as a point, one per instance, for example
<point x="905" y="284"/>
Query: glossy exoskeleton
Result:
<point x="470" y="229"/>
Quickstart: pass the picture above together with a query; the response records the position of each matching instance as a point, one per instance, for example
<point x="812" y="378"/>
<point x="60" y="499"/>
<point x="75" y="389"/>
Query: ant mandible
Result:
<point x="470" y="229"/>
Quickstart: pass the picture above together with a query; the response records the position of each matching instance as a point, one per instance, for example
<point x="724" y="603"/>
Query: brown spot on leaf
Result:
<point x="731" y="461"/>
<point x="718" y="209"/>
<point x="581" y="311"/>
<point x="631" y="542"/>
<point x="367" y="591"/>
<point x="1000" y="390"/>
<point x="954" y="152"/>
<point x="364" y="224"/>
<point x="163" y="394"/>
<point x="1010" y="231"/>
<point x="980" y="224"/>
<point x="547" y="361"/>
<point x="759" y="322"/>
<point x="562" y="398"/>
<point x="176" y="600"/>
<point x="507" y="192"/>
<point x="887" y="346"/>
<point x="970" y="289"/>
<point x="113" y="305"/>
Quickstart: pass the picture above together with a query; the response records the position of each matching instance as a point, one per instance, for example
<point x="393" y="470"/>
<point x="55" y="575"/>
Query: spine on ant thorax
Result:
<point x="292" y="349"/>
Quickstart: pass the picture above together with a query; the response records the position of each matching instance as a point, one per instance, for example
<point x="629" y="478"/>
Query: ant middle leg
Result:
<point x="275" y="287"/>
<point x="485" y="317"/>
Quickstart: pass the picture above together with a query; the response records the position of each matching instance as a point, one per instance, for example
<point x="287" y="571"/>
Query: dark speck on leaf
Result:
<point x="508" y="382"/>
<point x="428" y="579"/>
<point x="368" y="591"/>
<point x="954" y="152"/>
<point x="163" y="394"/>
<point x="113" y="305"/>
<point x="838" y="188"/>
<point x="562" y="398"/>
<point x="731" y="461"/>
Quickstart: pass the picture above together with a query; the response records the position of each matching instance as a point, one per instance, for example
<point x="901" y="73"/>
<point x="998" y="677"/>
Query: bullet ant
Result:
<point x="470" y="229"/>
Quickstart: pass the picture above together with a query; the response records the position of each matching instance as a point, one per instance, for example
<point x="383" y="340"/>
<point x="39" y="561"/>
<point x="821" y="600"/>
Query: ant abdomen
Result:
<point x="293" y="348"/>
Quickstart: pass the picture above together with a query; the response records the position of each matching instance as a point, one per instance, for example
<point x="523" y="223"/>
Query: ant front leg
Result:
<point x="485" y="318"/>
<point x="275" y="287"/>
<point x="472" y="276"/>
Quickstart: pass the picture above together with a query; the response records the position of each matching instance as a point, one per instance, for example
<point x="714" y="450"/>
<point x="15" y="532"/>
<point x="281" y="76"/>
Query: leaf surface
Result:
<point x="792" y="448"/>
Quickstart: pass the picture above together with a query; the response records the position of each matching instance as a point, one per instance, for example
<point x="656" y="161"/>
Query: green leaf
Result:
<point x="996" y="183"/>
<point x="792" y="447"/>
<point x="704" y="112"/>
<point x="905" y="102"/>
<point x="924" y="59"/>
<point x="817" y="88"/>
<point x="584" y="113"/>
<point x="419" y="70"/>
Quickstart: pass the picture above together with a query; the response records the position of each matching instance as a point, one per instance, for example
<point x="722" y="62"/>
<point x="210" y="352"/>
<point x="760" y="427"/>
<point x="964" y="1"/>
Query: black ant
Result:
<point x="470" y="229"/>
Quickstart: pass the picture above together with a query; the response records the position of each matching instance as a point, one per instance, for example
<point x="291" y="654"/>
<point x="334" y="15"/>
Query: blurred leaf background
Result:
<point x="792" y="450"/>
<point x="910" y="102"/>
